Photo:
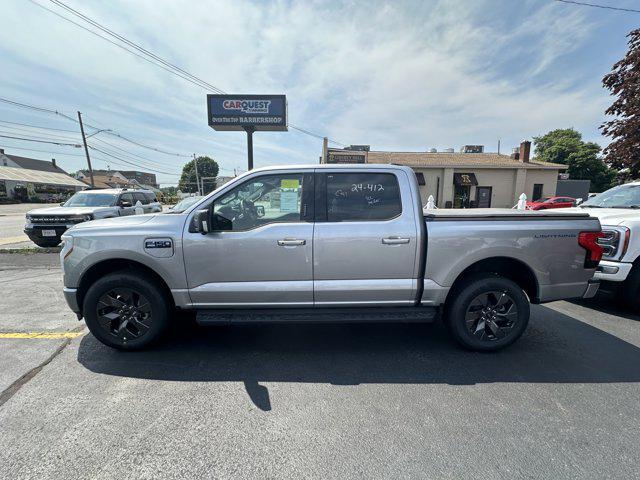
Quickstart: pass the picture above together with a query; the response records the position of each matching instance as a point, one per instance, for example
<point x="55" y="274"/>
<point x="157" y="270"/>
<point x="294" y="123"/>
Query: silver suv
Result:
<point x="45" y="226"/>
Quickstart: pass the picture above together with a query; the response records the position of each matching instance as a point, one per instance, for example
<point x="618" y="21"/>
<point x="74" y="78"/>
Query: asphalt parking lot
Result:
<point x="334" y="401"/>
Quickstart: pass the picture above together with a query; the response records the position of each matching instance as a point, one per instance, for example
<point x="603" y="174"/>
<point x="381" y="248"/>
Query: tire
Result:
<point x="630" y="290"/>
<point x="47" y="243"/>
<point x="126" y="310"/>
<point x="487" y="312"/>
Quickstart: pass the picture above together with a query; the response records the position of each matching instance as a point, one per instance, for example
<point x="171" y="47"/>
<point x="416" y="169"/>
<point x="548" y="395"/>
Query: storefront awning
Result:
<point x="36" y="176"/>
<point x="465" y="179"/>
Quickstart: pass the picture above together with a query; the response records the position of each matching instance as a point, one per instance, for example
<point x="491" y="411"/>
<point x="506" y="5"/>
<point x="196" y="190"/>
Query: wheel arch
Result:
<point x="112" y="265"/>
<point x="507" y="267"/>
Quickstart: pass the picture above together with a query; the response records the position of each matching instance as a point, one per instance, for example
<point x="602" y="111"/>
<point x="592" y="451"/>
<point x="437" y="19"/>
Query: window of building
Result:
<point x="262" y="200"/>
<point x="420" y="177"/>
<point x="362" y="197"/>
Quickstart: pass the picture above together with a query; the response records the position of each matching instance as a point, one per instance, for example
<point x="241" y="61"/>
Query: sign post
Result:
<point x="249" y="113"/>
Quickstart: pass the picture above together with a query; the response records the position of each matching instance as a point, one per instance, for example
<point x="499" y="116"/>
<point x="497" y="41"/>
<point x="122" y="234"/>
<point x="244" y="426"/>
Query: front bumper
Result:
<point x="612" y="271"/>
<point x="71" y="296"/>
<point x="34" y="232"/>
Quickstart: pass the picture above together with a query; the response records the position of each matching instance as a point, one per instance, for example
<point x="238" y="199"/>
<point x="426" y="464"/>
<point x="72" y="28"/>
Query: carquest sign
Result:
<point x="240" y="112"/>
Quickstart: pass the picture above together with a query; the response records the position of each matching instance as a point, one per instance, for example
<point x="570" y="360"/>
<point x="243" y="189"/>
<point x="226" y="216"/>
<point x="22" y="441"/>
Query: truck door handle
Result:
<point x="394" y="240"/>
<point x="291" y="242"/>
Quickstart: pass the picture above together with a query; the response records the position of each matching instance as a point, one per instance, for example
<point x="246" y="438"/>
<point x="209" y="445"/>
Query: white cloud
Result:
<point x="394" y="75"/>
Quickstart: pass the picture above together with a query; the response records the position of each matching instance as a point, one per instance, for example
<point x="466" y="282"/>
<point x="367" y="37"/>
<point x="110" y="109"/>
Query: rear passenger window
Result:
<point x="362" y="197"/>
<point x="139" y="197"/>
<point x="151" y="197"/>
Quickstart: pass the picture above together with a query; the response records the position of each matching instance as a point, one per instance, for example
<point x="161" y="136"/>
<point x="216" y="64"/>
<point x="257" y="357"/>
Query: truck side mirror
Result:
<point x="125" y="204"/>
<point x="201" y="222"/>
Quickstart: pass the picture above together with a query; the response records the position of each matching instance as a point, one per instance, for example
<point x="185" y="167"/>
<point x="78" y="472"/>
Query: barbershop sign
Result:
<point x="242" y="112"/>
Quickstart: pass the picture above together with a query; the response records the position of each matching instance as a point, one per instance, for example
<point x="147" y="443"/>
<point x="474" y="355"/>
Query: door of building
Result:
<point x="537" y="191"/>
<point x="461" y="196"/>
<point x="483" y="197"/>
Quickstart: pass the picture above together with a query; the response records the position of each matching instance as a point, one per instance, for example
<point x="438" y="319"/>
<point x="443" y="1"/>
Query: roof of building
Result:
<point x="36" y="176"/>
<point x="34" y="164"/>
<point x="109" y="181"/>
<point x="455" y="159"/>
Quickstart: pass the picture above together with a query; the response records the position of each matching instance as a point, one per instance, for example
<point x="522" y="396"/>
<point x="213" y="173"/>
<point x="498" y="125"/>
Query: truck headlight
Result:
<point x="614" y="242"/>
<point x="67" y="248"/>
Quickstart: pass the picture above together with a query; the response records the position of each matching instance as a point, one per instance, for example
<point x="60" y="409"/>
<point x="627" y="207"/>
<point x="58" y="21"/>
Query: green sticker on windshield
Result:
<point x="290" y="183"/>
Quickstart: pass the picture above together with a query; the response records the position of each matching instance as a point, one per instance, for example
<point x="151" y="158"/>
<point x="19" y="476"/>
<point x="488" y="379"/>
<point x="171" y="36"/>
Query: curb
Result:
<point x="30" y="250"/>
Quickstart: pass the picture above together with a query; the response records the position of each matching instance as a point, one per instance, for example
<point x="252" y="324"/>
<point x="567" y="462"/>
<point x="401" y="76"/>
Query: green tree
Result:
<point x="624" y="82"/>
<point x="169" y="191"/>
<point x="207" y="167"/>
<point x="565" y="145"/>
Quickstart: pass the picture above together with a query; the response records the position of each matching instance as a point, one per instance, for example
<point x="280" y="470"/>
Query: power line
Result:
<point x="43" y="151"/>
<point x="126" y="139"/>
<point x="131" y="163"/>
<point x="23" y="131"/>
<point x="606" y="7"/>
<point x="127" y="155"/>
<point x="39" y="141"/>
<point x="136" y="46"/>
<point x="155" y="59"/>
<point x="40" y="109"/>
<point x="37" y="126"/>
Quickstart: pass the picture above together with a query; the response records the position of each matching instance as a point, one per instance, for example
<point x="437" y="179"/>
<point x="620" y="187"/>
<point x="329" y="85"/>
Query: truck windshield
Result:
<point x="82" y="199"/>
<point x="623" y="196"/>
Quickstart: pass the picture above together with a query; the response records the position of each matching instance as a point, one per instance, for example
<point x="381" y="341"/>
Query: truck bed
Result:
<point x="500" y="214"/>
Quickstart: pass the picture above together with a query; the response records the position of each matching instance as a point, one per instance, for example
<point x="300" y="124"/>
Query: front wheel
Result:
<point x="487" y="312"/>
<point x="126" y="310"/>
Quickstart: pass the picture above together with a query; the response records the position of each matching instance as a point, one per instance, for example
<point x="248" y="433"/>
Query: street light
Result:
<point x="97" y="132"/>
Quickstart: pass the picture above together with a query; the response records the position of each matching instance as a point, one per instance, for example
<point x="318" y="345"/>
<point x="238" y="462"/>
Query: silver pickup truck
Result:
<point x="326" y="243"/>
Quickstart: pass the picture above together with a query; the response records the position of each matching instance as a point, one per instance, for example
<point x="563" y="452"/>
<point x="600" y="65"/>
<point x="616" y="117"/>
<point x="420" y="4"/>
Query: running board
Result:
<point x="317" y="315"/>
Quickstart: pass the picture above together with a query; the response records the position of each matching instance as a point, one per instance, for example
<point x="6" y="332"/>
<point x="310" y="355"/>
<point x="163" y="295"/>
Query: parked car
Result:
<point x="619" y="212"/>
<point x="551" y="202"/>
<point x="327" y="243"/>
<point x="45" y="226"/>
<point x="185" y="203"/>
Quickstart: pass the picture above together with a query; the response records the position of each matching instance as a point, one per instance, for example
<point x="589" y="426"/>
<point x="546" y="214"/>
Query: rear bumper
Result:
<point x="71" y="296"/>
<point x="612" y="271"/>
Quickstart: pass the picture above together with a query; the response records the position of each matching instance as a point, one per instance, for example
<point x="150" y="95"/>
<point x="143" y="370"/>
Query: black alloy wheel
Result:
<point x="487" y="312"/>
<point x="127" y="309"/>
<point x="124" y="313"/>
<point x="491" y="316"/>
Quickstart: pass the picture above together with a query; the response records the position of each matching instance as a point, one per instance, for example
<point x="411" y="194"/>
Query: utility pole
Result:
<point x="86" y="149"/>
<point x="195" y="161"/>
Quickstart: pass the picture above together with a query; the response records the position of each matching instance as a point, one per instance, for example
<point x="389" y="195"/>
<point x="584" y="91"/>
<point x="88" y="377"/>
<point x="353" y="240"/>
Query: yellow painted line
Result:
<point x="8" y="240"/>
<point x="47" y="335"/>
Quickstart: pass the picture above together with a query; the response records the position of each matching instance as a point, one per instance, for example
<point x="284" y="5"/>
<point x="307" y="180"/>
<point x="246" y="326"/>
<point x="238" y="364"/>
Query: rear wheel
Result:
<point x="487" y="313"/>
<point x="126" y="310"/>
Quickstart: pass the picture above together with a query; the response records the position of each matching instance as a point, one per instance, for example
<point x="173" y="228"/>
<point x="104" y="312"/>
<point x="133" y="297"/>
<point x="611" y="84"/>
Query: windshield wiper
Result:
<point x="590" y="206"/>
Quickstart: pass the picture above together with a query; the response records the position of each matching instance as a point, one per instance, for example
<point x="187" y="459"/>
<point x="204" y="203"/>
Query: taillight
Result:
<point x="589" y="241"/>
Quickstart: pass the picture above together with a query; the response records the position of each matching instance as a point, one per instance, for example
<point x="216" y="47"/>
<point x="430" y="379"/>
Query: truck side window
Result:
<point x="151" y="197"/>
<point x="127" y="197"/>
<point x="353" y="197"/>
<point x="262" y="200"/>
<point x="140" y="197"/>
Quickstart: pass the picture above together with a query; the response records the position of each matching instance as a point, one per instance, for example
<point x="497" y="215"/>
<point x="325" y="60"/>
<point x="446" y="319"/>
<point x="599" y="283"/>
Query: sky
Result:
<point x="401" y="76"/>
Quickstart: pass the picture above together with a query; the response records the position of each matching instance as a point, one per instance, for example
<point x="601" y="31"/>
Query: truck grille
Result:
<point x="57" y="219"/>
